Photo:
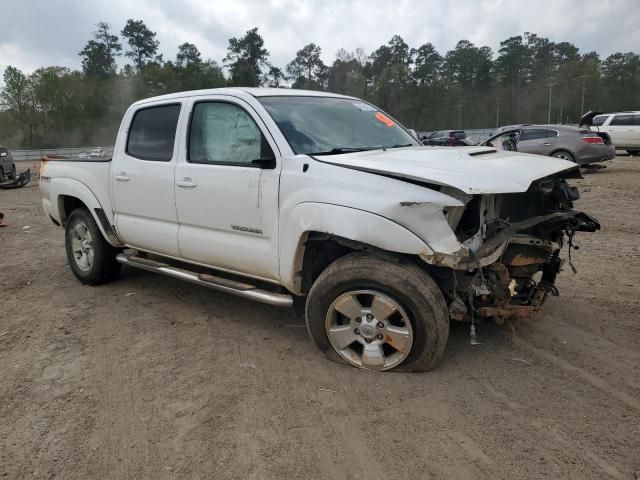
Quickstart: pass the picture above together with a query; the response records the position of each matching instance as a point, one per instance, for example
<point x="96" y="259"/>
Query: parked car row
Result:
<point x="594" y="140"/>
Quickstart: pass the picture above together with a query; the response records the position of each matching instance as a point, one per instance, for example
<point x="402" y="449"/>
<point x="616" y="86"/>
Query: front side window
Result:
<point x="224" y="133"/>
<point x="152" y="133"/>
<point x="636" y="120"/>
<point x="328" y="126"/>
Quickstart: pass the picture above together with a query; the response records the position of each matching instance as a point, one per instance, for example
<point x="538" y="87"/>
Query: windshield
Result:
<point x="328" y="126"/>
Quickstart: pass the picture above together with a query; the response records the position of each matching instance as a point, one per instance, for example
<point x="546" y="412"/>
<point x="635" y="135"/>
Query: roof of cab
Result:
<point x="240" y="92"/>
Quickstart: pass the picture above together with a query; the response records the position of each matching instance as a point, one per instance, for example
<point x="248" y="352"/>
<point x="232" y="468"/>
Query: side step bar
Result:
<point x="210" y="281"/>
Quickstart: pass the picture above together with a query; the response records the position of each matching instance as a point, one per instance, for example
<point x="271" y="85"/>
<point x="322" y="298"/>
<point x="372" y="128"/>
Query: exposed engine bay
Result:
<point x="513" y="244"/>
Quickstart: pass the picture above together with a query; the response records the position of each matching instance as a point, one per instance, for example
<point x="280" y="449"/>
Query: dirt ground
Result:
<point x="152" y="378"/>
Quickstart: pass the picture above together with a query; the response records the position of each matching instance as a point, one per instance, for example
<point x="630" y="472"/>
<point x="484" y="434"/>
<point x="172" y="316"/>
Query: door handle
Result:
<point x="186" y="182"/>
<point x="546" y="144"/>
<point x="122" y="177"/>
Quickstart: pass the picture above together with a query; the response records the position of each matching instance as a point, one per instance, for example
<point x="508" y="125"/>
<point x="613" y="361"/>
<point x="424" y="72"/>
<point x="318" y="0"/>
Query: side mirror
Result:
<point x="267" y="158"/>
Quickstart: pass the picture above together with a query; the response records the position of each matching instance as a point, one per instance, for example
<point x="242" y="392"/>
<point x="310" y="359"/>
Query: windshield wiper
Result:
<point x="337" y="151"/>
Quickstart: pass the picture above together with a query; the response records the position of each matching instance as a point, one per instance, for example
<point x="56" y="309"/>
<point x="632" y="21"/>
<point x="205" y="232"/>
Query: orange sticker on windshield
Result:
<point x="381" y="117"/>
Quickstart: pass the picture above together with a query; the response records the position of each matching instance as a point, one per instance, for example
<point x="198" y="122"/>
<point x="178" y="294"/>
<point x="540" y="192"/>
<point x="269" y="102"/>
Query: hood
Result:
<point x="472" y="170"/>
<point x="587" y="118"/>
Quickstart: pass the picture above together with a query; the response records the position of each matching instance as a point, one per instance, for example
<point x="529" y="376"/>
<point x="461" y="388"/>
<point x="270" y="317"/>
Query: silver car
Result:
<point x="561" y="141"/>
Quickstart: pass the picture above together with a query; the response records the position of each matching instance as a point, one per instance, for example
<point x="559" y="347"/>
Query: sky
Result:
<point x="38" y="33"/>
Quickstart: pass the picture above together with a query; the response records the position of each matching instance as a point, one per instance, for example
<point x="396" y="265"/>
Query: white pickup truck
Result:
<point x="326" y="203"/>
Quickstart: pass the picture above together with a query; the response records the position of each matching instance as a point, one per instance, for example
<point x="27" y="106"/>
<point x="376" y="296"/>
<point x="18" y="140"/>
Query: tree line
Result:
<point x="530" y="79"/>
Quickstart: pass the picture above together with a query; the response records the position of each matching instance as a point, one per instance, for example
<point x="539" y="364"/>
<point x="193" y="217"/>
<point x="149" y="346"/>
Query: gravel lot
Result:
<point x="152" y="378"/>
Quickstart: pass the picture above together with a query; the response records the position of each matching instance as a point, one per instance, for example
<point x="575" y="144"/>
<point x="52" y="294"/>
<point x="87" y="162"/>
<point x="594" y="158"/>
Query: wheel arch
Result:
<point x="71" y="194"/>
<point x="317" y="234"/>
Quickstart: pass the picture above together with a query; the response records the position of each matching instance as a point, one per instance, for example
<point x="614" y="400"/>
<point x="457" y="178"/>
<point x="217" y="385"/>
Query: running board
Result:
<point x="210" y="281"/>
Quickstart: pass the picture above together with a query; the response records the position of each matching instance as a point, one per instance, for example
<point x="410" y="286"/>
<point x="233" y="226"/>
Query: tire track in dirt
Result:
<point x="121" y="428"/>
<point x="594" y="380"/>
<point x="547" y="431"/>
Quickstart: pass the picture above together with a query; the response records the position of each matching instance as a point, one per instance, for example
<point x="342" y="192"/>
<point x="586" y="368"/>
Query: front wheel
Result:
<point x="91" y="258"/>
<point x="633" y="153"/>
<point x="378" y="314"/>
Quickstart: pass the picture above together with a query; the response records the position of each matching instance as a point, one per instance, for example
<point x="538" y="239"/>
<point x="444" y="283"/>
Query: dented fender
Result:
<point x="350" y="223"/>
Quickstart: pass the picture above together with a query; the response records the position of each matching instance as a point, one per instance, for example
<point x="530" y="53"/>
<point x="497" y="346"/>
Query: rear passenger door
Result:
<point x="540" y="141"/>
<point x="142" y="183"/>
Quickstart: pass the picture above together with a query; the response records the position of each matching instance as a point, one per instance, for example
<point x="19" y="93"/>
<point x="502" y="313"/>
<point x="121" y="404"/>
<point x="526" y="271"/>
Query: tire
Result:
<point x="2" y="177"/>
<point x="91" y="258"/>
<point x="413" y="291"/>
<point x="633" y="153"/>
<point x="13" y="172"/>
<point x="564" y="155"/>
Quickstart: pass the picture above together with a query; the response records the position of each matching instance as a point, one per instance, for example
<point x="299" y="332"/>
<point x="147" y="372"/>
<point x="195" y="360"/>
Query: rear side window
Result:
<point x="622" y="120"/>
<point x="551" y="133"/>
<point x="599" y="120"/>
<point x="533" y="134"/>
<point x="459" y="134"/>
<point x="152" y="133"/>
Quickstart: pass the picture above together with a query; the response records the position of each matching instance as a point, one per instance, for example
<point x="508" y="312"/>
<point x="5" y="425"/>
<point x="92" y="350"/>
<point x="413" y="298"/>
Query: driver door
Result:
<point x="227" y="189"/>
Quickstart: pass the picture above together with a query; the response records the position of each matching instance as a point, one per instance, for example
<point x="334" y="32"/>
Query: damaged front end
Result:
<point x="510" y="250"/>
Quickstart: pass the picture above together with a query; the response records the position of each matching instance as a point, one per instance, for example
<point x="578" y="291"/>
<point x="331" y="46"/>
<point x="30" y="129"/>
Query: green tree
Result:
<point x="307" y="68"/>
<point x="188" y="54"/>
<point x="346" y="75"/>
<point x="275" y="77"/>
<point x="246" y="59"/>
<point x="428" y="65"/>
<point x="142" y="42"/>
<point x="18" y="100"/>
<point x="99" y="55"/>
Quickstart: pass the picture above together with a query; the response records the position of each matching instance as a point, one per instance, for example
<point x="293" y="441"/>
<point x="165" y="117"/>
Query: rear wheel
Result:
<point x="378" y="314"/>
<point x="564" y="155"/>
<point x="2" y="177"/>
<point x="634" y="153"/>
<point x="13" y="172"/>
<point x="91" y="258"/>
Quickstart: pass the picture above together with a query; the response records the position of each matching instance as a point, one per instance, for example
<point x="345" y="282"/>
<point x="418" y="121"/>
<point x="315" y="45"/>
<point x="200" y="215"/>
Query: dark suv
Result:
<point x="7" y="167"/>
<point x="448" y="138"/>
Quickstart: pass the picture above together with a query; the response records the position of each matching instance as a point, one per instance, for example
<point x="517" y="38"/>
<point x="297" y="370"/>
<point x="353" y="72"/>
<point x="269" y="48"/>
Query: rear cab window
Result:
<point x="152" y="133"/>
